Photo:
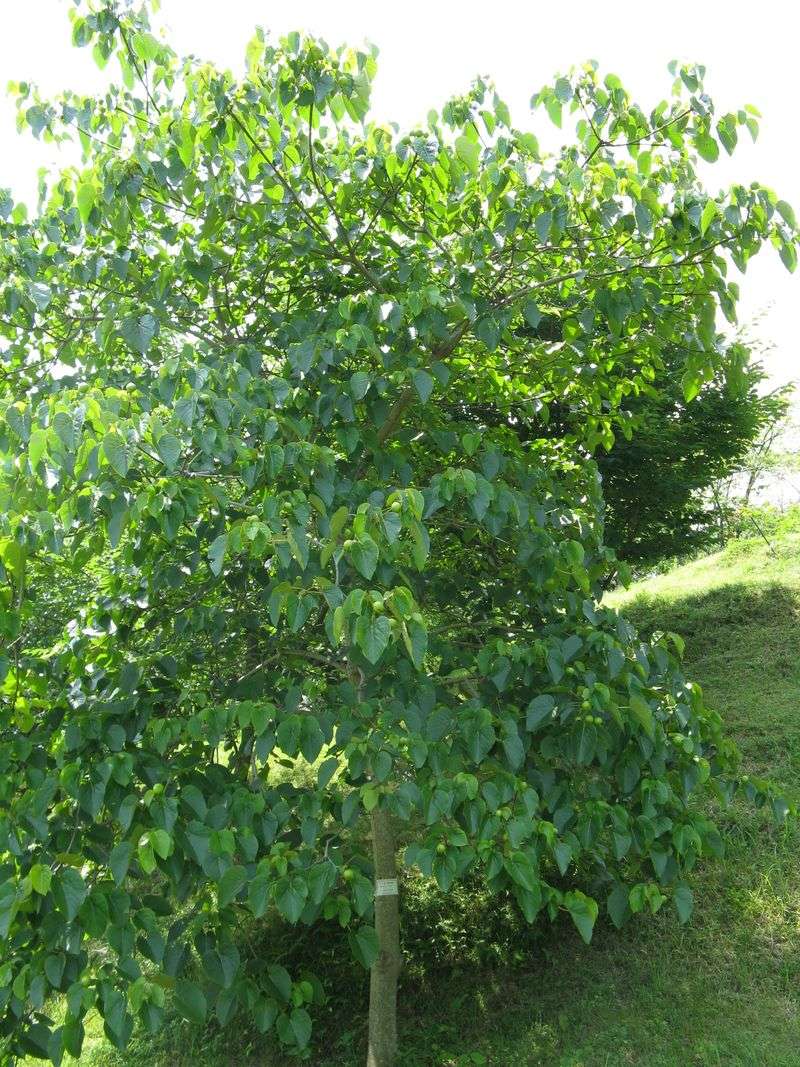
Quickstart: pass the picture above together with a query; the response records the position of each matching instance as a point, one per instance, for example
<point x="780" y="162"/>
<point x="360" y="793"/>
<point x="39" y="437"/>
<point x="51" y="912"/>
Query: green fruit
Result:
<point x="396" y="506"/>
<point x="348" y="874"/>
<point x="441" y="849"/>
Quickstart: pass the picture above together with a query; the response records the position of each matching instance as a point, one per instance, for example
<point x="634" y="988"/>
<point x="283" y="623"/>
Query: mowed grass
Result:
<point x="723" y="990"/>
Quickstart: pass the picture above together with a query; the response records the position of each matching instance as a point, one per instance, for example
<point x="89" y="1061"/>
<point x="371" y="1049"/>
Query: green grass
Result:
<point x="724" y="990"/>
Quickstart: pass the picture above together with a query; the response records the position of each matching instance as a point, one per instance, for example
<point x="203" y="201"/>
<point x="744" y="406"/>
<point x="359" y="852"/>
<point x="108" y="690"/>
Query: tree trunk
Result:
<point x="382" y="1050"/>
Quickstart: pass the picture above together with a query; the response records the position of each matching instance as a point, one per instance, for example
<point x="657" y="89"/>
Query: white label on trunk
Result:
<point x="385" y="887"/>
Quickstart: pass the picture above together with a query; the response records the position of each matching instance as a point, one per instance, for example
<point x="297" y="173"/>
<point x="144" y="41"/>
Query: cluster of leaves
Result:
<point x="239" y="347"/>
<point x="659" y="475"/>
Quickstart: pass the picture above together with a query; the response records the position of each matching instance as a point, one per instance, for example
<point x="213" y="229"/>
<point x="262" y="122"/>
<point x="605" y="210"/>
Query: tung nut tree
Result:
<point x="248" y="519"/>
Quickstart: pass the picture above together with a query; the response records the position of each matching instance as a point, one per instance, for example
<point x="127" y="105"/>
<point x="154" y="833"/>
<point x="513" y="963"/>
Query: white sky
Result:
<point x="431" y="49"/>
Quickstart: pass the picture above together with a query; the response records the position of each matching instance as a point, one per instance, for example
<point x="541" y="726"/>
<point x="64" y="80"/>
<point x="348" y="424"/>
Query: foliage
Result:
<point x="765" y="524"/>
<point x="765" y="467"/>
<point x="661" y="478"/>
<point x="564" y="1002"/>
<point x="233" y="346"/>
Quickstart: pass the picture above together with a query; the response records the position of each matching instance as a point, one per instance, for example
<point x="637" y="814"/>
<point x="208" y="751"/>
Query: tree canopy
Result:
<point x="246" y="521"/>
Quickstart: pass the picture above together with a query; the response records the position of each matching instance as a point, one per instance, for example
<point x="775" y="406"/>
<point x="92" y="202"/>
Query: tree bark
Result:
<point x="382" y="1050"/>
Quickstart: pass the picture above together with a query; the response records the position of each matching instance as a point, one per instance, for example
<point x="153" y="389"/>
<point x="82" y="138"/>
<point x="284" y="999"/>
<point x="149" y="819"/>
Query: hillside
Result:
<point x="723" y="990"/>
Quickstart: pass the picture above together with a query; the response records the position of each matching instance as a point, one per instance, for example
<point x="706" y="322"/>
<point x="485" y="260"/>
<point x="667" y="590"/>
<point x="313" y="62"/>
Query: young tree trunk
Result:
<point x="382" y="1051"/>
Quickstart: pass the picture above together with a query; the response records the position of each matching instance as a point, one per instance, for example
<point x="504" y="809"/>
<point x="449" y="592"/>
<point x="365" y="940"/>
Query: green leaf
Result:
<point x="709" y="214"/>
<point x="41" y="877"/>
<point x="583" y="911"/>
<point x="533" y="315"/>
<point x="290" y="897"/>
<point x="563" y="90"/>
<point x="190" y="1001"/>
<point x="514" y="749"/>
<point x="185" y="409"/>
<point x="543" y="224"/>
<point x="423" y="383"/>
<point x="71" y="891"/>
<point x="36" y="118"/>
<point x="281" y="980"/>
<point x="265" y="1011"/>
<point x="339" y="520"/>
<point x="786" y="211"/>
<point x="146" y="46"/>
<point x="563" y="855"/>
<point x="587" y="744"/>
<point x="359" y="384"/>
<point x="8" y="909"/>
<point x="523" y="872"/>
<point x="311" y="738"/>
<point x="707" y="147"/>
<point x="302" y="356"/>
<point x="684" y="902"/>
<point x="146" y="855"/>
<point x="85" y="197"/>
<point x="644" y="219"/>
<point x="161" y="842"/>
<point x="300" y="1022"/>
<point x="617" y="905"/>
<point x="119" y="860"/>
<point x="288" y="734"/>
<point x="553" y="107"/>
<point x="539" y="710"/>
<point x="64" y="427"/>
<point x="488" y="331"/>
<point x="326" y="771"/>
<point x="468" y="151"/>
<point x="139" y="331"/>
<point x="372" y="635"/>
<point x="643" y="714"/>
<point x="788" y="254"/>
<point x="115" y="737"/>
<point x="54" y="970"/>
<point x="216" y="553"/>
<point x="416" y="640"/>
<point x="479" y="738"/>
<point x="37" y="447"/>
<point x="169" y="450"/>
<point x="116" y="452"/>
<point x="258" y="894"/>
<point x="691" y="382"/>
<point x="363" y="554"/>
<point x="364" y="945"/>
<point x="129" y="677"/>
<point x="229" y="885"/>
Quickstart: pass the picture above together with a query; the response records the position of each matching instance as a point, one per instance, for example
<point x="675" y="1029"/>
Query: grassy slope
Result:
<point x="723" y="990"/>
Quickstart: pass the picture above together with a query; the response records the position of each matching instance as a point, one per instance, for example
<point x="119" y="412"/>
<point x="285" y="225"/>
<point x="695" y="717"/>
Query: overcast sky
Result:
<point x="431" y="49"/>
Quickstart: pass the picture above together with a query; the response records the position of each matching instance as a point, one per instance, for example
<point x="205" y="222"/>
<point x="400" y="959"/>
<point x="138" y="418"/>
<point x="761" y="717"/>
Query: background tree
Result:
<point x="233" y="342"/>
<point x="768" y="468"/>
<point x="659" y="486"/>
<point x="662" y="476"/>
